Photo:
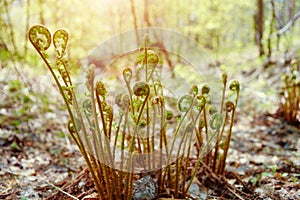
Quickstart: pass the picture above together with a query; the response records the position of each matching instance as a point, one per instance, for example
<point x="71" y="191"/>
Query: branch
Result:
<point x="289" y="24"/>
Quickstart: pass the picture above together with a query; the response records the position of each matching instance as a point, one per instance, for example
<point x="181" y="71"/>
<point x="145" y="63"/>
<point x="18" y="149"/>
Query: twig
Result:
<point x="236" y="194"/>
<point x="73" y="197"/>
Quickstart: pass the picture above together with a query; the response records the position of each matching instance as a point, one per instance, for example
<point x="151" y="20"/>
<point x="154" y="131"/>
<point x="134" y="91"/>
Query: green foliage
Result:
<point x="4" y="55"/>
<point x="15" y="146"/>
<point x="130" y="135"/>
<point x="18" y="98"/>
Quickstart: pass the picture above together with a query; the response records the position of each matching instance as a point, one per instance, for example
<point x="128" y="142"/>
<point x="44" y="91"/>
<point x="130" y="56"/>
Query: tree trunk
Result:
<point x="10" y="28"/>
<point x="146" y="14"/>
<point x="134" y="20"/>
<point x="41" y="15"/>
<point x="259" y="26"/>
<point x="291" y="9"/>
<point x="272" y="24"/>
<point x="27" y="25"/>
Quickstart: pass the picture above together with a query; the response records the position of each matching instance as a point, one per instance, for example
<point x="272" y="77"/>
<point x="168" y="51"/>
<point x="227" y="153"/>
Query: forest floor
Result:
<point x="38" y="158"/>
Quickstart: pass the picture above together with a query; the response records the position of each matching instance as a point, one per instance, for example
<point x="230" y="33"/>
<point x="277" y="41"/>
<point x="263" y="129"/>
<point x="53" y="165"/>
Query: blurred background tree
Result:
<point x="218" y="25"/>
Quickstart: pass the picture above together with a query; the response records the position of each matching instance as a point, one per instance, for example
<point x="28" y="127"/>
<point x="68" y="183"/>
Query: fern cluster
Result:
<point x="290" y="97"/>
<point x="140" y="131"/>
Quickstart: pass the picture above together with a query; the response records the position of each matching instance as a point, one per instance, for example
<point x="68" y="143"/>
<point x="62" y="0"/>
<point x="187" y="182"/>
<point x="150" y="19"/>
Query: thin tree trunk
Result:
<point x="134" y="21"/>
<point x="10" y="27"/>
<point x="56" y="12"/>
<point x="146" y="13"/>
<point x="27" y="26"/>
<point x="273" y="21"/>
<point x="259" y="26"/>
<point x="42" y="20"/>
<point x="291" y="9"/>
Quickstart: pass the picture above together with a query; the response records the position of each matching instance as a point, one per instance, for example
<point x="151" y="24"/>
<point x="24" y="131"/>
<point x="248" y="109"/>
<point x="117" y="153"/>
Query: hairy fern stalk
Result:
<point x="139" y="132"/>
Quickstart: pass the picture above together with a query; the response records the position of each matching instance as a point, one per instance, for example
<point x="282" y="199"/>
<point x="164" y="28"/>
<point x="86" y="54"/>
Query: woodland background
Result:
<point x="254" y="41"/>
